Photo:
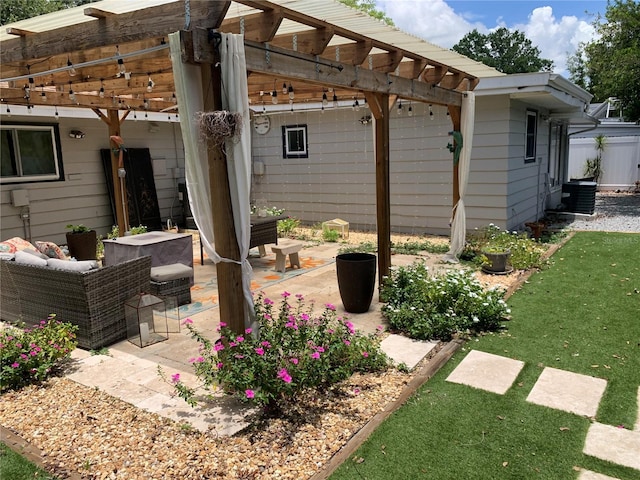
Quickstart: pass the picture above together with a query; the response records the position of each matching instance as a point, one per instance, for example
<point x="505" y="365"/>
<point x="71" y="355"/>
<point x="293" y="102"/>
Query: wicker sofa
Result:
<point x="93" y="300"/>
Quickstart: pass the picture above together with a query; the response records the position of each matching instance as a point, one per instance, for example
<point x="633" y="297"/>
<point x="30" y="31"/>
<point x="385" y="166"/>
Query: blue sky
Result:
<point x="556" y="27"/>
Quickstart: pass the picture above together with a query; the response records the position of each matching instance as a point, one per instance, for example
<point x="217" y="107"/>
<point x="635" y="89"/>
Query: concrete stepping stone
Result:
<point x="568" y="391"/>
<point x="589" y="475"/>
<point x="613" y="444"/>
<point x="486" y="371"/>
<point x="406" y="350"/>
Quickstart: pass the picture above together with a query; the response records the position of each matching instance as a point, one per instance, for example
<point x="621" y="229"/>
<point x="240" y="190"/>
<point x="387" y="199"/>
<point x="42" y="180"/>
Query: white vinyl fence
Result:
<point x="620" y="161"/>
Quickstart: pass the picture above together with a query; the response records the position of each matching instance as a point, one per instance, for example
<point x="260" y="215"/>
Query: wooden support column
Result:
<point x="380" y="110"/>
<point x="122" y="210"/>
<point x="232" y="309"/>
<point x="455" y="112"/>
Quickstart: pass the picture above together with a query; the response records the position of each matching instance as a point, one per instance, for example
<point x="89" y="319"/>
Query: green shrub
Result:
<point x="413" y="248"/>
<point x="525" y="252"/>
<point x="294" y="351"/>
<point x="330" y="235"/>
<point x="287" y="226"/>
<point x="31" y="355"/>
<point x="436" y="307"/>
<point x="363" y="247"/>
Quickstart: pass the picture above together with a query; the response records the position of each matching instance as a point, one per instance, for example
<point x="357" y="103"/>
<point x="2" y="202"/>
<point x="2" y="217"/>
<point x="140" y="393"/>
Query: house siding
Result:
<point x="82" y="197"/>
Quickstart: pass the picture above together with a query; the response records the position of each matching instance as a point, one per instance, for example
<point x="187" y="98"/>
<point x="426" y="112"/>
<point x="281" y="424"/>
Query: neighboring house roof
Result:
<point x="563" y="99"/>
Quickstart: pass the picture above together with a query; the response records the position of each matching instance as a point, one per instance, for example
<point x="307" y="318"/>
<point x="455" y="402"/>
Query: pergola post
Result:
<point x="122" y="210"/>
<point x="455" y="112"/>
<point x="379" y="104"/>
<point x="229" y="273"/>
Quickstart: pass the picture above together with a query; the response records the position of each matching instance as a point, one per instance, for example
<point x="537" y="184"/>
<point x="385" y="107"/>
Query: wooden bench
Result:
<point x="284" y="249"/>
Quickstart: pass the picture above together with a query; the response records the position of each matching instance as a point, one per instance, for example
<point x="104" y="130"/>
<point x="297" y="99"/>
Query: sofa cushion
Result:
<point x="26" y="258"/>
<point x="72" y="265"/>
<point x="164" y="273"/>
<point x="50" y="249"/>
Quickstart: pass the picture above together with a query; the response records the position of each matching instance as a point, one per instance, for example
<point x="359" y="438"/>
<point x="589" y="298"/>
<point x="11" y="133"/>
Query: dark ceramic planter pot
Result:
<point x="82" y="246"/>
<point x="356" y="280"/>
<point x="498" y="262"/>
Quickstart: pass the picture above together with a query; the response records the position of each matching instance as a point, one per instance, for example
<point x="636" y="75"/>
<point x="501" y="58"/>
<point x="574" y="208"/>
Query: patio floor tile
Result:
<point x="613" y="444"/>
<point x="568" y="391"/>
<point x="486" y="371"/>
<point x="406" y="350"/>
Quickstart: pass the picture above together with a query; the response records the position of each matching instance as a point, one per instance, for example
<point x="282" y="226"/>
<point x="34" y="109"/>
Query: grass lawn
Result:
<point x="582" y="314"/>
<point x="15" y="467"/>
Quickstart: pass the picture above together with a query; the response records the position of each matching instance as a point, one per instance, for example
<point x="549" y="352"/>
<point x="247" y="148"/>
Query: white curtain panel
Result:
<point x="238" y="151"/>
<point x="459" y="223"/>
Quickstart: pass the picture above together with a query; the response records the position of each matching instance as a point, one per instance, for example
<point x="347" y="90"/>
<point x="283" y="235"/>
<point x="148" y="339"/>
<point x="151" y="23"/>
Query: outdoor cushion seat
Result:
<point x="173" y="280"/>
<point x="164" y="273"/>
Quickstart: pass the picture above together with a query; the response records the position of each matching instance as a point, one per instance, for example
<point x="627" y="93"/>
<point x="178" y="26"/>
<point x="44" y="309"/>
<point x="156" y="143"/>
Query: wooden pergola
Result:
<point x="118" y="63"/>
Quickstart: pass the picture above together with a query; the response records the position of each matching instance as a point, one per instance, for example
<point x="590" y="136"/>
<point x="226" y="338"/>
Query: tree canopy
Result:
<point x="14" y="10"/>
<point x="369" y="6"/>
<point x="610" y="65"/>
<point x="506" y="51"/>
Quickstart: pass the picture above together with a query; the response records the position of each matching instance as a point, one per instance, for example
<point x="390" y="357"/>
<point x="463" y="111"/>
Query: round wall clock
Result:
<point x="261" y="124"/>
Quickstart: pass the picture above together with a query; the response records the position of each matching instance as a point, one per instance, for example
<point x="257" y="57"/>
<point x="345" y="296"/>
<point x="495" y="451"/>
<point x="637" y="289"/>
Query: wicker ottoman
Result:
<point x="172" y="281"/>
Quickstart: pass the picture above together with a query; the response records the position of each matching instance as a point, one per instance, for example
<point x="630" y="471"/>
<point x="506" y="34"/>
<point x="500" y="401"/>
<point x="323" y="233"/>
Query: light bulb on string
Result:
<point x="284" y="88"/>
<point x="8" y="111"/>
<point x="274" y="97"/>
<point x="72" y="70"/>
<point x="400" y="108"/>
<point x="290" y="90"/>
<point x="431" y="116"/>
<point x="174" y="99"/>
<point x="57" y="114"/>
<point x="150" y="84"/>
<point x="356" y="104"/>
<point x="410" y="110"/>
<point x="335" y="101"/>
<point x="27" y="92"/>
<point x="29" y="107"/>
<point x="43" y="95"/>
<point x="135" y="117"/>
<point x="30" y="84"/>
<point x="72" y="96"/>
<point x="325" y="100"/>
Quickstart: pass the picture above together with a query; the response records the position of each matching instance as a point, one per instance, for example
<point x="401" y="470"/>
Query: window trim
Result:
<point x="287" y="152"/>
<point x="531" y="114"/>
<point x="54" y="129"/>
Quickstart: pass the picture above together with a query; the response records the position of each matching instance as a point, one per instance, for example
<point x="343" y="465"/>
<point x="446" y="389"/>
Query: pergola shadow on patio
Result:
<point x="112" y="58"/>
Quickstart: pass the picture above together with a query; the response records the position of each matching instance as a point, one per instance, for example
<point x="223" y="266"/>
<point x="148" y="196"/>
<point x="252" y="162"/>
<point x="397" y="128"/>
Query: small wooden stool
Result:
<point x="282" y="251"/>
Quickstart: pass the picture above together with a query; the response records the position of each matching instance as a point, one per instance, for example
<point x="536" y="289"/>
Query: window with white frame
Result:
<point x="294" y="141"/>
<point x="532" y="136"/>
<point x="30" y="153"/>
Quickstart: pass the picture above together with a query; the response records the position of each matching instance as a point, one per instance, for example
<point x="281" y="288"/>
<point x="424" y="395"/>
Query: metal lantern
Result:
<point x="146" y="317"/>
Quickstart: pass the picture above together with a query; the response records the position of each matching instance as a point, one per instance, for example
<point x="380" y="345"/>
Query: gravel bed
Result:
<point x="614" y="212"/>
<point x="86" y="432"/>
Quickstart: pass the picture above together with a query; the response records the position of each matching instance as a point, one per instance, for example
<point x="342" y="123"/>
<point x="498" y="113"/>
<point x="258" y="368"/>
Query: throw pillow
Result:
<point x="19" y="243"/>
<point x="51" y="250"/>
<point x="6" y="247"/>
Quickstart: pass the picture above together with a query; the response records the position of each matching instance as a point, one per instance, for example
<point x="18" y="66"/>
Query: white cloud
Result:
<point x="437" y="22"/>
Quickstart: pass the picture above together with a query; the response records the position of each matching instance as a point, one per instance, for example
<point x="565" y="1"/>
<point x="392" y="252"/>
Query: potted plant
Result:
<point x="496" y="259"/>
<point x="356" y="271"/>
<point x="82" y="242"/>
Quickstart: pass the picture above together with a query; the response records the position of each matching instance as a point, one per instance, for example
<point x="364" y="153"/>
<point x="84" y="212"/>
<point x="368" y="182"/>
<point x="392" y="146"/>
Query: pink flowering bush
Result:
<point x="295" y="350"/>
<point x="30" y="355"/>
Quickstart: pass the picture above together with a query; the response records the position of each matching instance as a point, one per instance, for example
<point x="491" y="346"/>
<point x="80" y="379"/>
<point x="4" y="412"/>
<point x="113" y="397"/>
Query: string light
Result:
<point x="150" y="84"/>
<point x="57" y="114"/>
<point x="122" y="70"/>
<point x="400" y="108"/>
<point x="8" y="111"/>
<point x="284" y="88"/>
<point x="274" y="97"/>
<point x="43" y="95"/>
<point x="431" y="113"/>
<point x="145" y="104"/>
<point x="30" y="85"/>
<point x="356" y="105"/>
<point x="72" y="96"/>
<point x="101" y="92"/>
<point x="72" y="70"/>
<point x="410" y="110"/>
<point x="325" y="100"/>
<point x="174" y="99"/>
<point x="335" y="100"/>
<point x="27" y="92"/>
<point x="135" y="117"/>
<point x="290" y="90"/>
<point x="29" y="107"/>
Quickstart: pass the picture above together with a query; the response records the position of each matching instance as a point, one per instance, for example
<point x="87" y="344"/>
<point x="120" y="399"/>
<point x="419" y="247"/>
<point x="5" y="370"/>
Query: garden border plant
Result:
<point x="30" y="355"/>
<point x="428" y="307"/>
<point x="294" y="350"/>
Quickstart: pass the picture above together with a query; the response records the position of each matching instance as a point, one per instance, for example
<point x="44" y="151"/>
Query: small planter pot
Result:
<point x="498" y="262"/>
<point x="356" y="280"/>
<point x="82" y="246"/>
